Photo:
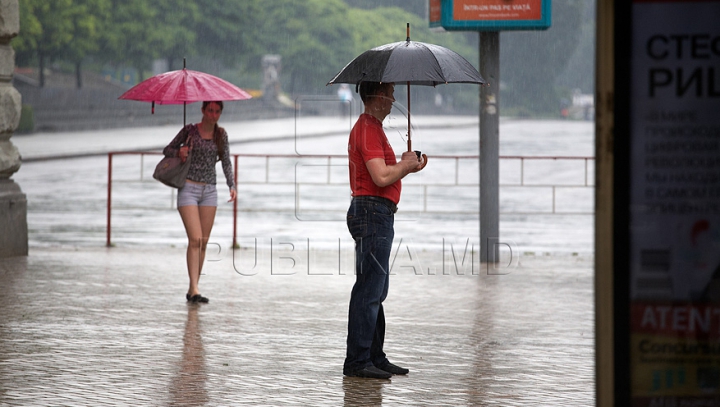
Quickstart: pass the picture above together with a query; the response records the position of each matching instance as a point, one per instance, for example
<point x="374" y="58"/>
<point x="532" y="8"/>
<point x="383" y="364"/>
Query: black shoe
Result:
<point x="370" y="372"/>
<point x="394" y="369"/>
<point x="198" y="298"/>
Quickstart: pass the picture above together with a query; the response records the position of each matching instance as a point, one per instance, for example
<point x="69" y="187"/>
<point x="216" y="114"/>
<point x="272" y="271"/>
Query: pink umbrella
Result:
<point x="183" y="87"/>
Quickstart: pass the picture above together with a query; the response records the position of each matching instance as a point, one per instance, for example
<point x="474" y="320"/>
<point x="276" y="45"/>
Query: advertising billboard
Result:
<point x="490" y="15"/>
<point x="675" y="203"/>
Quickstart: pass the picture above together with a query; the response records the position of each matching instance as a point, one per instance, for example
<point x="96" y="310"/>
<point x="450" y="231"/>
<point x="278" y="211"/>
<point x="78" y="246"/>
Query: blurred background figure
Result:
<point x="346" y="99"/>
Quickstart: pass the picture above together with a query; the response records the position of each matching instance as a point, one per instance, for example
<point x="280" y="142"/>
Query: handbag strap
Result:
<point x="188" y="139"/>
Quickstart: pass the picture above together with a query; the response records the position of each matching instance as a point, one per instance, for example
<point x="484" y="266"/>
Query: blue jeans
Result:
<point x="371" y="226"/>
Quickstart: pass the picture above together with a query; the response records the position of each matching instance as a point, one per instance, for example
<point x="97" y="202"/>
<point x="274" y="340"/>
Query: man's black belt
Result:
<point x="390" y="204"/>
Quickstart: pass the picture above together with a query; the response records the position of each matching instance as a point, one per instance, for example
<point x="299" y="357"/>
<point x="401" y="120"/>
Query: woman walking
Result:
<point x="205" y="144"/>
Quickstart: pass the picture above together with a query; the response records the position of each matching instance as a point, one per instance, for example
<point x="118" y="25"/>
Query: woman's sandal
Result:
<point x="197" y="298"/>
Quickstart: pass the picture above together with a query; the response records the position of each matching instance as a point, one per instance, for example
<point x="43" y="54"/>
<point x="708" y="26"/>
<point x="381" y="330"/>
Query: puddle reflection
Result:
<point x="188" y="387"/>
<point x="363" y="392"/>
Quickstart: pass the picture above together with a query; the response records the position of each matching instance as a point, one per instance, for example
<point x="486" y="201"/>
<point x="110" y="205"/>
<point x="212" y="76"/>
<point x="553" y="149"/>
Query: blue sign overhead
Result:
<point x="490" y="15"/>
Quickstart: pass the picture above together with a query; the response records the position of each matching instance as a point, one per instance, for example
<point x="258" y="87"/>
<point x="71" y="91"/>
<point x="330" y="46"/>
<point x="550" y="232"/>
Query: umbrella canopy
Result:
<point x="411" y="62"/>
<point x="182" y="87"/>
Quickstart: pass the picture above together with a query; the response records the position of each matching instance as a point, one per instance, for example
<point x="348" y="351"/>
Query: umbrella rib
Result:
<point x="432" y="54"/>
<point x="437" y="61"/>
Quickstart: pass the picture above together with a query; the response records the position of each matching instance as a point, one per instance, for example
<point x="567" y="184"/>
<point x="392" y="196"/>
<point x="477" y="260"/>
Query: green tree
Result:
<point x="25" y="44"/>
<point x="88" y="17"/>
<point x="180" y="20"/>
<point x="229" y="31"/>
<point x="50" y="29"/>
<point x="136" y="35"/>
<point x="313" y="38"/>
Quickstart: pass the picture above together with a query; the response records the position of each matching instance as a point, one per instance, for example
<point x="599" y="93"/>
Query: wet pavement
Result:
<point x="87" y="325"/>
<point x="54" y="145"/>
<point x="95" y="326"/>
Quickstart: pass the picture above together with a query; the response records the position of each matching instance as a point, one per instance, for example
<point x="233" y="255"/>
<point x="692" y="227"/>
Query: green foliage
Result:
<point x="135" y="36"/>
<point x="315" y="39"/>
<point x="87" y="18"/>
<point x="140" y="32"/>
<point x="174" y="17"/>
<point x="49" y="26"/>
<point x="227" y="30"/>
<point x="26" y="43"/>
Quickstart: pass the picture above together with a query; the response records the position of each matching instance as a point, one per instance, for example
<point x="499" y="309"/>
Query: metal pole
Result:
<point x="234" y="241"/>
<point x="409" y="135"/>
<point x="489" y="146"/>
<point x="109" y="199"/>
<point x="184" y="103"/>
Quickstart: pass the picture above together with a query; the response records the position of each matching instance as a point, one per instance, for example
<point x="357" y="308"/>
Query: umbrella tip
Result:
<point x="408" y="32"/>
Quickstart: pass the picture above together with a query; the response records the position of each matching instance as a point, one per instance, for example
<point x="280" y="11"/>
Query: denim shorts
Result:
<point x="197" y="195"/>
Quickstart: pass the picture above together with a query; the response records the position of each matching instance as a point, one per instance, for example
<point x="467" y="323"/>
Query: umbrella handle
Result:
<point x="425" y="159"/>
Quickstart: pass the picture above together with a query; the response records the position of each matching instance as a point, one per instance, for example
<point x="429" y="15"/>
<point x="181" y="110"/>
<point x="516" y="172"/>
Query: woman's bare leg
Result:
<point x="191" y="219"/>
<point x="207" y="220"/>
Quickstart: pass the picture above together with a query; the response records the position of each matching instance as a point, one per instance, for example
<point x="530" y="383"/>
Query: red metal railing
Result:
<point x="456" y="181"/>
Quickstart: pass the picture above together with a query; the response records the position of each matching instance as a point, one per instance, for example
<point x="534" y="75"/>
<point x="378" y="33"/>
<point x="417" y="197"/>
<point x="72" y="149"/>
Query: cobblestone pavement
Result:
<point x="96" y="326"/>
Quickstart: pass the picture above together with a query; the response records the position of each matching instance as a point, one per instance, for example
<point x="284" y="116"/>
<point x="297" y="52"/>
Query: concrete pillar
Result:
<point x="13" y="203"/>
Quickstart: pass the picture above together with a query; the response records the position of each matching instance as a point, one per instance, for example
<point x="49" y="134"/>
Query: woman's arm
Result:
<point x="226" y="163"/>
<point x="172" y="149"/>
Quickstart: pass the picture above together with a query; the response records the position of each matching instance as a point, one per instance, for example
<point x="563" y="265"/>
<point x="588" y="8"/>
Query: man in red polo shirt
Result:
<point x="375" y="176"/>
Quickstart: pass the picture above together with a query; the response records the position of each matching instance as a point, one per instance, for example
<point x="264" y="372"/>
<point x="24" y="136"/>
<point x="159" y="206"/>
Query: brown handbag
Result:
<point x="172" y="171"/>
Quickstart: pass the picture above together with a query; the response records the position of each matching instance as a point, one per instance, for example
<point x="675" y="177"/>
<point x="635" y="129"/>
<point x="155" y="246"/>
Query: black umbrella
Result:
<point x="412" y="62"/>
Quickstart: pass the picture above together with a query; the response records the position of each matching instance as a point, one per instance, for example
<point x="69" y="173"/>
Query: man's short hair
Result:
<point x="371" y="89"/>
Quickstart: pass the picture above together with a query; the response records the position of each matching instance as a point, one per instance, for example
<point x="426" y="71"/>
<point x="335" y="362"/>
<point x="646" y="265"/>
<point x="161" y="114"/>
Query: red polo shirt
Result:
<point x="368" y="141"/>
